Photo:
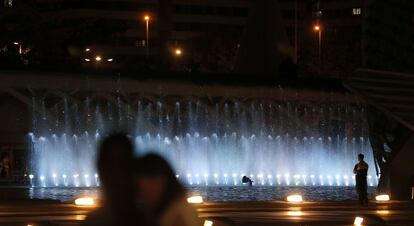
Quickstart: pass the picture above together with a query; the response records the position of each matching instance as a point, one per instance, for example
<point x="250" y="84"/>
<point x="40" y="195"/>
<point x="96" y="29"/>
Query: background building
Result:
<point x="340" y="36"/>
<point x="201" y="35"/>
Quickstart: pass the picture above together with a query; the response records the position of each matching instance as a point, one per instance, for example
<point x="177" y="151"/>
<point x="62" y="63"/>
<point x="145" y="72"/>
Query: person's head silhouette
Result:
<point x="115" y="160"/>
<point x="157" y="182"/>
<point x="115" y="168"/>
<point x="162" y="194"/>
<point x="360" y="157"/>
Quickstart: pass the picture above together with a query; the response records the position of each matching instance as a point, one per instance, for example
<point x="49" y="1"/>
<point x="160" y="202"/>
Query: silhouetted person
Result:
<point x="162" y="194"/>
<point x="5" y="168"/>
<point x="246" y="179"/>
<point x="361" y="171"/>
<point x="2" y="171"/>
<point x="115" y="168"/>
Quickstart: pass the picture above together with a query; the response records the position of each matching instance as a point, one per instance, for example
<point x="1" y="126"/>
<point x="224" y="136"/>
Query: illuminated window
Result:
<point x="140" y="43"/>
<point x="8" y="3"/>
<point x="356" y="11"/>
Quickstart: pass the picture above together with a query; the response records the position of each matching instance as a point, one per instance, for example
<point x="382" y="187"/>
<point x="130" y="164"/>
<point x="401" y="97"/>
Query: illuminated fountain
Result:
<point x="277" y="143"/>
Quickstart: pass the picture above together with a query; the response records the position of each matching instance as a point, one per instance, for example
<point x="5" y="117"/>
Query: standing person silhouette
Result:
<point x="115" y="168"/>
<point x="361" y="171"/>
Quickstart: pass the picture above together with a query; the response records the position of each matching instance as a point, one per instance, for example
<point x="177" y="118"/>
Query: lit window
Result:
<point x="356" y="11"/>
<point x="140" y="43"/>
<point x="8" y="3"/>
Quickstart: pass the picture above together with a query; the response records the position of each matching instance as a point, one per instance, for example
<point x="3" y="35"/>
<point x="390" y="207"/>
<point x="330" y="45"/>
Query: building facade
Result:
<point x="101" y="34"/>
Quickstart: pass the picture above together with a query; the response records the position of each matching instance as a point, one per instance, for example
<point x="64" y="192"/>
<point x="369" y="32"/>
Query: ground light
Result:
<point x="382" y="198"/>
<point x="294" y="198"/>
<point x="358" y="221"/>
<point x="208" y="223"/>
<point x="85" y="201"/>
<point x="31" y="176"/>
<point x="383" y="212"/>
<point x="195" y="199"/>
<point x="294" y="213"/>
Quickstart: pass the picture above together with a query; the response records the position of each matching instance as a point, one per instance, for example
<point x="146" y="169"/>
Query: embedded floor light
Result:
<point x="382" y="198"/>
<point x="294" y="213"/>
<point x="358" y="221"/>
<point x="383" y="212"/>
<point x="295" y="198"/>
<point x="85" y="201"/>
<point x="208" y="223"/>
<point x="195" y="199"/>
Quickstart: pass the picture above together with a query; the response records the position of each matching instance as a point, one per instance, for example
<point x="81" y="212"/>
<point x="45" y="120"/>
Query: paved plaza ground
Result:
<point x="229" y="213"/>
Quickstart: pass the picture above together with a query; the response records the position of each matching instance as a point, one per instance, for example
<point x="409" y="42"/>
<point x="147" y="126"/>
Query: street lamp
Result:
<point x="318" y="29"/>
<point x="147" y="19"/>
<point x="178" y="52"/>
<point x="98" y="58"/>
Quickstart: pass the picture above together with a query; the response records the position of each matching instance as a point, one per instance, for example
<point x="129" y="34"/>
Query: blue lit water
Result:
<point x="208" y="143"/>
<point x="210" y="193"/>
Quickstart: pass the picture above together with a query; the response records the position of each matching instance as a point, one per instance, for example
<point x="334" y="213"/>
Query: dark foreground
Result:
<point x="230" y="213"/>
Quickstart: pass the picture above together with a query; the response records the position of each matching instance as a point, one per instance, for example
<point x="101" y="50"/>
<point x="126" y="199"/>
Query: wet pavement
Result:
<point x="230" y="213"/>
<point x="224" y="206"/>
